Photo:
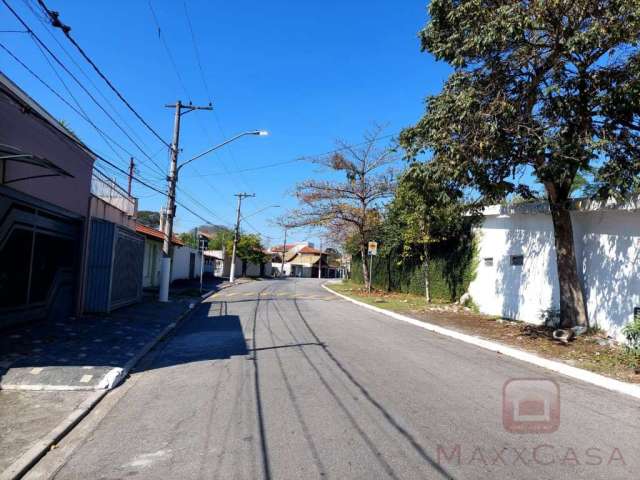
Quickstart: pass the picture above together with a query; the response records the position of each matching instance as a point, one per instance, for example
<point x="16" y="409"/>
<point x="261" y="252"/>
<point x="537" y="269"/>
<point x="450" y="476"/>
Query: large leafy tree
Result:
<point x="547" y="87"/>
<point x="249" y="248"/>
<point x="428" y="208"/>
<point x="350" y="205"/>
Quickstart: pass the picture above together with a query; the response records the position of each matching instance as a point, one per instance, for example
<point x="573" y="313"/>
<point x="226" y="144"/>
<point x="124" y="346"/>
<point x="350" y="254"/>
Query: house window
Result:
<point x="488" y="262"/>
<point x="517" y="260"/>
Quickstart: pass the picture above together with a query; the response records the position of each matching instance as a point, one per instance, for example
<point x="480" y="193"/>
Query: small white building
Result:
<point x="185" y="263"/>
<point x="517" y="274"/>
<point x="222" y="265"/>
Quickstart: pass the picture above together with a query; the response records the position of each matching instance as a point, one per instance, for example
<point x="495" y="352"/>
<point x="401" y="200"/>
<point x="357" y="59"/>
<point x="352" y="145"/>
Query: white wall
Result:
<point x="608" y="255"/>
<point x="181" y="260"/>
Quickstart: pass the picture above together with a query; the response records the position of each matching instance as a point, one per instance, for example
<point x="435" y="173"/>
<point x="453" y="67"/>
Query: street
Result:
<point x="280" y="379"/>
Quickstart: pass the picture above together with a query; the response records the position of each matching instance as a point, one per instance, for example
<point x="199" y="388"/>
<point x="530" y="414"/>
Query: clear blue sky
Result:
<point x="308" y="72"/>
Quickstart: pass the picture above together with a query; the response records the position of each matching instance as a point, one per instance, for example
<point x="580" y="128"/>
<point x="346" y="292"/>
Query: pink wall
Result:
<point x="30" y="134"/>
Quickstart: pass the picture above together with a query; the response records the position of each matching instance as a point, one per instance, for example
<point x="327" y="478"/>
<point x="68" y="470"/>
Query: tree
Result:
<point x="427" y="209"/>
<point x="350" y="206"/>
<point x="248" y="249"/>
<point x="149" y="218"/>
<point x="189" y="239"/>
<point x="550" y="88"/>
<point x="220" y="239"/>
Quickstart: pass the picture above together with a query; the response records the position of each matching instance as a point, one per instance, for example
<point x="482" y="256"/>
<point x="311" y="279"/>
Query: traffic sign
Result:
<point x="373" y="248"/>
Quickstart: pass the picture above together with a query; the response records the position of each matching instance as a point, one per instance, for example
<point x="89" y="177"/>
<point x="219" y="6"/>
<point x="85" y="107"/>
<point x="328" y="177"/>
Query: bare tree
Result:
<point x="349" y="207"/>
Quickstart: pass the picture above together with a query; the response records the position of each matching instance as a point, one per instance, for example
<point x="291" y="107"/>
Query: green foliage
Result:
<point x="249" y="248"/>
<point x="220" y="239"/>
<point x="549" y="87"/>
<point x="428" y="208"/>
<point x="631" y="332"/>
<point x="451" y="270"/>
<point x="149" y="218"/>
<point x="189" y="239"/>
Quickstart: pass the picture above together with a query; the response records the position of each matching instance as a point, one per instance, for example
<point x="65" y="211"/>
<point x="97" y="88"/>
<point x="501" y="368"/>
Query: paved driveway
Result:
<point x="279" y="379"/>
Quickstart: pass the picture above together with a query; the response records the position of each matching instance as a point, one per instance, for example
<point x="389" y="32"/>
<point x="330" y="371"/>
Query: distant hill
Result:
<point x="213" y="229"/>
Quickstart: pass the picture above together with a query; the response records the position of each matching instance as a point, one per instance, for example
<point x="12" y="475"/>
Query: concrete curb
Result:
<point x="38" y="450"/>
<point x="112" y="379"/>
<point x="558" y="367"/>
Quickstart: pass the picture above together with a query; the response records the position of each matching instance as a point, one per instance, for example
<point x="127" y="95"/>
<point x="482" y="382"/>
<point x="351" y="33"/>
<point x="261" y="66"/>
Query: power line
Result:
<point x="115" y="167"/>
<point x="168" y="51"/>
<point x="42" y="18"/>
<point x="79" y="111"/>
<point x="64" y="67"/>
<point x="183" y="86"/>
<point x="299" y="159"/>
<point x="208" y="92"/>
<point x="55" y="21"/>
<point x="197" y="52"/>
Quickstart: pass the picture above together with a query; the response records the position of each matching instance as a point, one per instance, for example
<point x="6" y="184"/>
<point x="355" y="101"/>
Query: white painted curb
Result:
<point x="562" y="368"/>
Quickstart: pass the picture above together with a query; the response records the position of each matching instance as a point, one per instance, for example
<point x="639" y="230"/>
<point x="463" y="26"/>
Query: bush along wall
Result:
<point x="452" y="267"/>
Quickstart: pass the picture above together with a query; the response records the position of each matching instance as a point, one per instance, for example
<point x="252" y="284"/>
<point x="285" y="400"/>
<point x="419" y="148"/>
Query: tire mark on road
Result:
<point x="407" y="435"/>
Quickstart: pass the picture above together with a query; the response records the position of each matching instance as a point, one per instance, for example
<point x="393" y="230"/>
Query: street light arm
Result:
<point x="254" y="132"/>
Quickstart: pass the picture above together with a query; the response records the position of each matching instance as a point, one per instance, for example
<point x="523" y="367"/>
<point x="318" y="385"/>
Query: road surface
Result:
<point x="279" y="379"/>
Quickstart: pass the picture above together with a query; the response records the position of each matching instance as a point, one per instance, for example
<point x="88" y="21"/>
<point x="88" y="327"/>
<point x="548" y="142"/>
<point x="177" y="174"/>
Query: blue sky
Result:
<point x="308" y="72"/>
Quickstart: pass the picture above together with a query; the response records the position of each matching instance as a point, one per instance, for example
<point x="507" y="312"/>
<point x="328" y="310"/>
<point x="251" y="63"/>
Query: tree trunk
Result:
<point x="572" y="307"/>
<point x="365" y="266"/>
<point x="425" y="268"/>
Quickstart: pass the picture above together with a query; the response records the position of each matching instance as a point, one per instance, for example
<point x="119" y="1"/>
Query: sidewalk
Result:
<point x="51" y="374"/>
<point x="79" y="354"/>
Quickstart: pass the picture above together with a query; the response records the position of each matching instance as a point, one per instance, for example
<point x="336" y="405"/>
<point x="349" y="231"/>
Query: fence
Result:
<point x="110" y="192"/>
<point x="452" y="267"/>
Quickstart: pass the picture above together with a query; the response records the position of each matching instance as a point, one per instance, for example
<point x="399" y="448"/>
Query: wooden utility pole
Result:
<point x="131" y="168"/>
<point x="172" y="180"/>
<point x="236" y="236"/>
<point x="284" y="251"/>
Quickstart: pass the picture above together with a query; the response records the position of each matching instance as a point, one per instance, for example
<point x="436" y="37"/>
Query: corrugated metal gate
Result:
<point x="114" y="270"/>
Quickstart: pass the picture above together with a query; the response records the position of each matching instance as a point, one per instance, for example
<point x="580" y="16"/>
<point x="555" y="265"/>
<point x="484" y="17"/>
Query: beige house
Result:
<point x="303" y="260"/>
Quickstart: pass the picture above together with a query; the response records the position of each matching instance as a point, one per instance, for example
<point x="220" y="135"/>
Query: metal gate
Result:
<point x="40" y="249"/>
<point x="114" y="270"/>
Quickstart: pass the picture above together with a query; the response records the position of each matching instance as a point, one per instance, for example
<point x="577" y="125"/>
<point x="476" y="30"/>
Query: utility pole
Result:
<point x="236" y="236"/>
<point x="284" y="251"/>
<point x="131" y="167"/>
<point x="320" y="262"/>
<point x="172" y="179"/>
<point x="201" y="246"/>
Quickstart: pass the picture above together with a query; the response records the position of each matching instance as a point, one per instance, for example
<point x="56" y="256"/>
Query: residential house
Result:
<point x="517" y="275"/>
<point x="48" y="197"/>
<point x="303" y="260"/>
<point x="185" y="263"/>
<point x="222" y="268"/>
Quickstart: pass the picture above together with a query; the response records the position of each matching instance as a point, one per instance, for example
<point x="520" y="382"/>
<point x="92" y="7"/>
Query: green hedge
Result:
<point x="452" y="267"/>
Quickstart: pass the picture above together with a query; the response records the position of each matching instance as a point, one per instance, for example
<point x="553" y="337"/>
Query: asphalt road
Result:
<point x="280" y="380"/>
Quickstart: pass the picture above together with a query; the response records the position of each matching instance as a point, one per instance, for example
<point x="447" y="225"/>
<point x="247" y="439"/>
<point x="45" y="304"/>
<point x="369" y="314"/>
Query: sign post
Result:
<point x="372" y="250"/>
<point x="203" y="243"/>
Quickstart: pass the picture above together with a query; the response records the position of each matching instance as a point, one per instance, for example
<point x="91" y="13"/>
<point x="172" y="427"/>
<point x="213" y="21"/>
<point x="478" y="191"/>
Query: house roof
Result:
<point x="156" y="234"/>
<point x="308" y="249"/>
<point x="288" y="246"/>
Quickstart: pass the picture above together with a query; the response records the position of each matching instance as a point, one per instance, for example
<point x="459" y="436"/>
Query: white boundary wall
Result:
<point x="608" y="254"/>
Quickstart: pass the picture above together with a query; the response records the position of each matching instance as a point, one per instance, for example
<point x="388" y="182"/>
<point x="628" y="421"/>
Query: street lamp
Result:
<point x="165" y="265"/>
<point x="260" y="133"/>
